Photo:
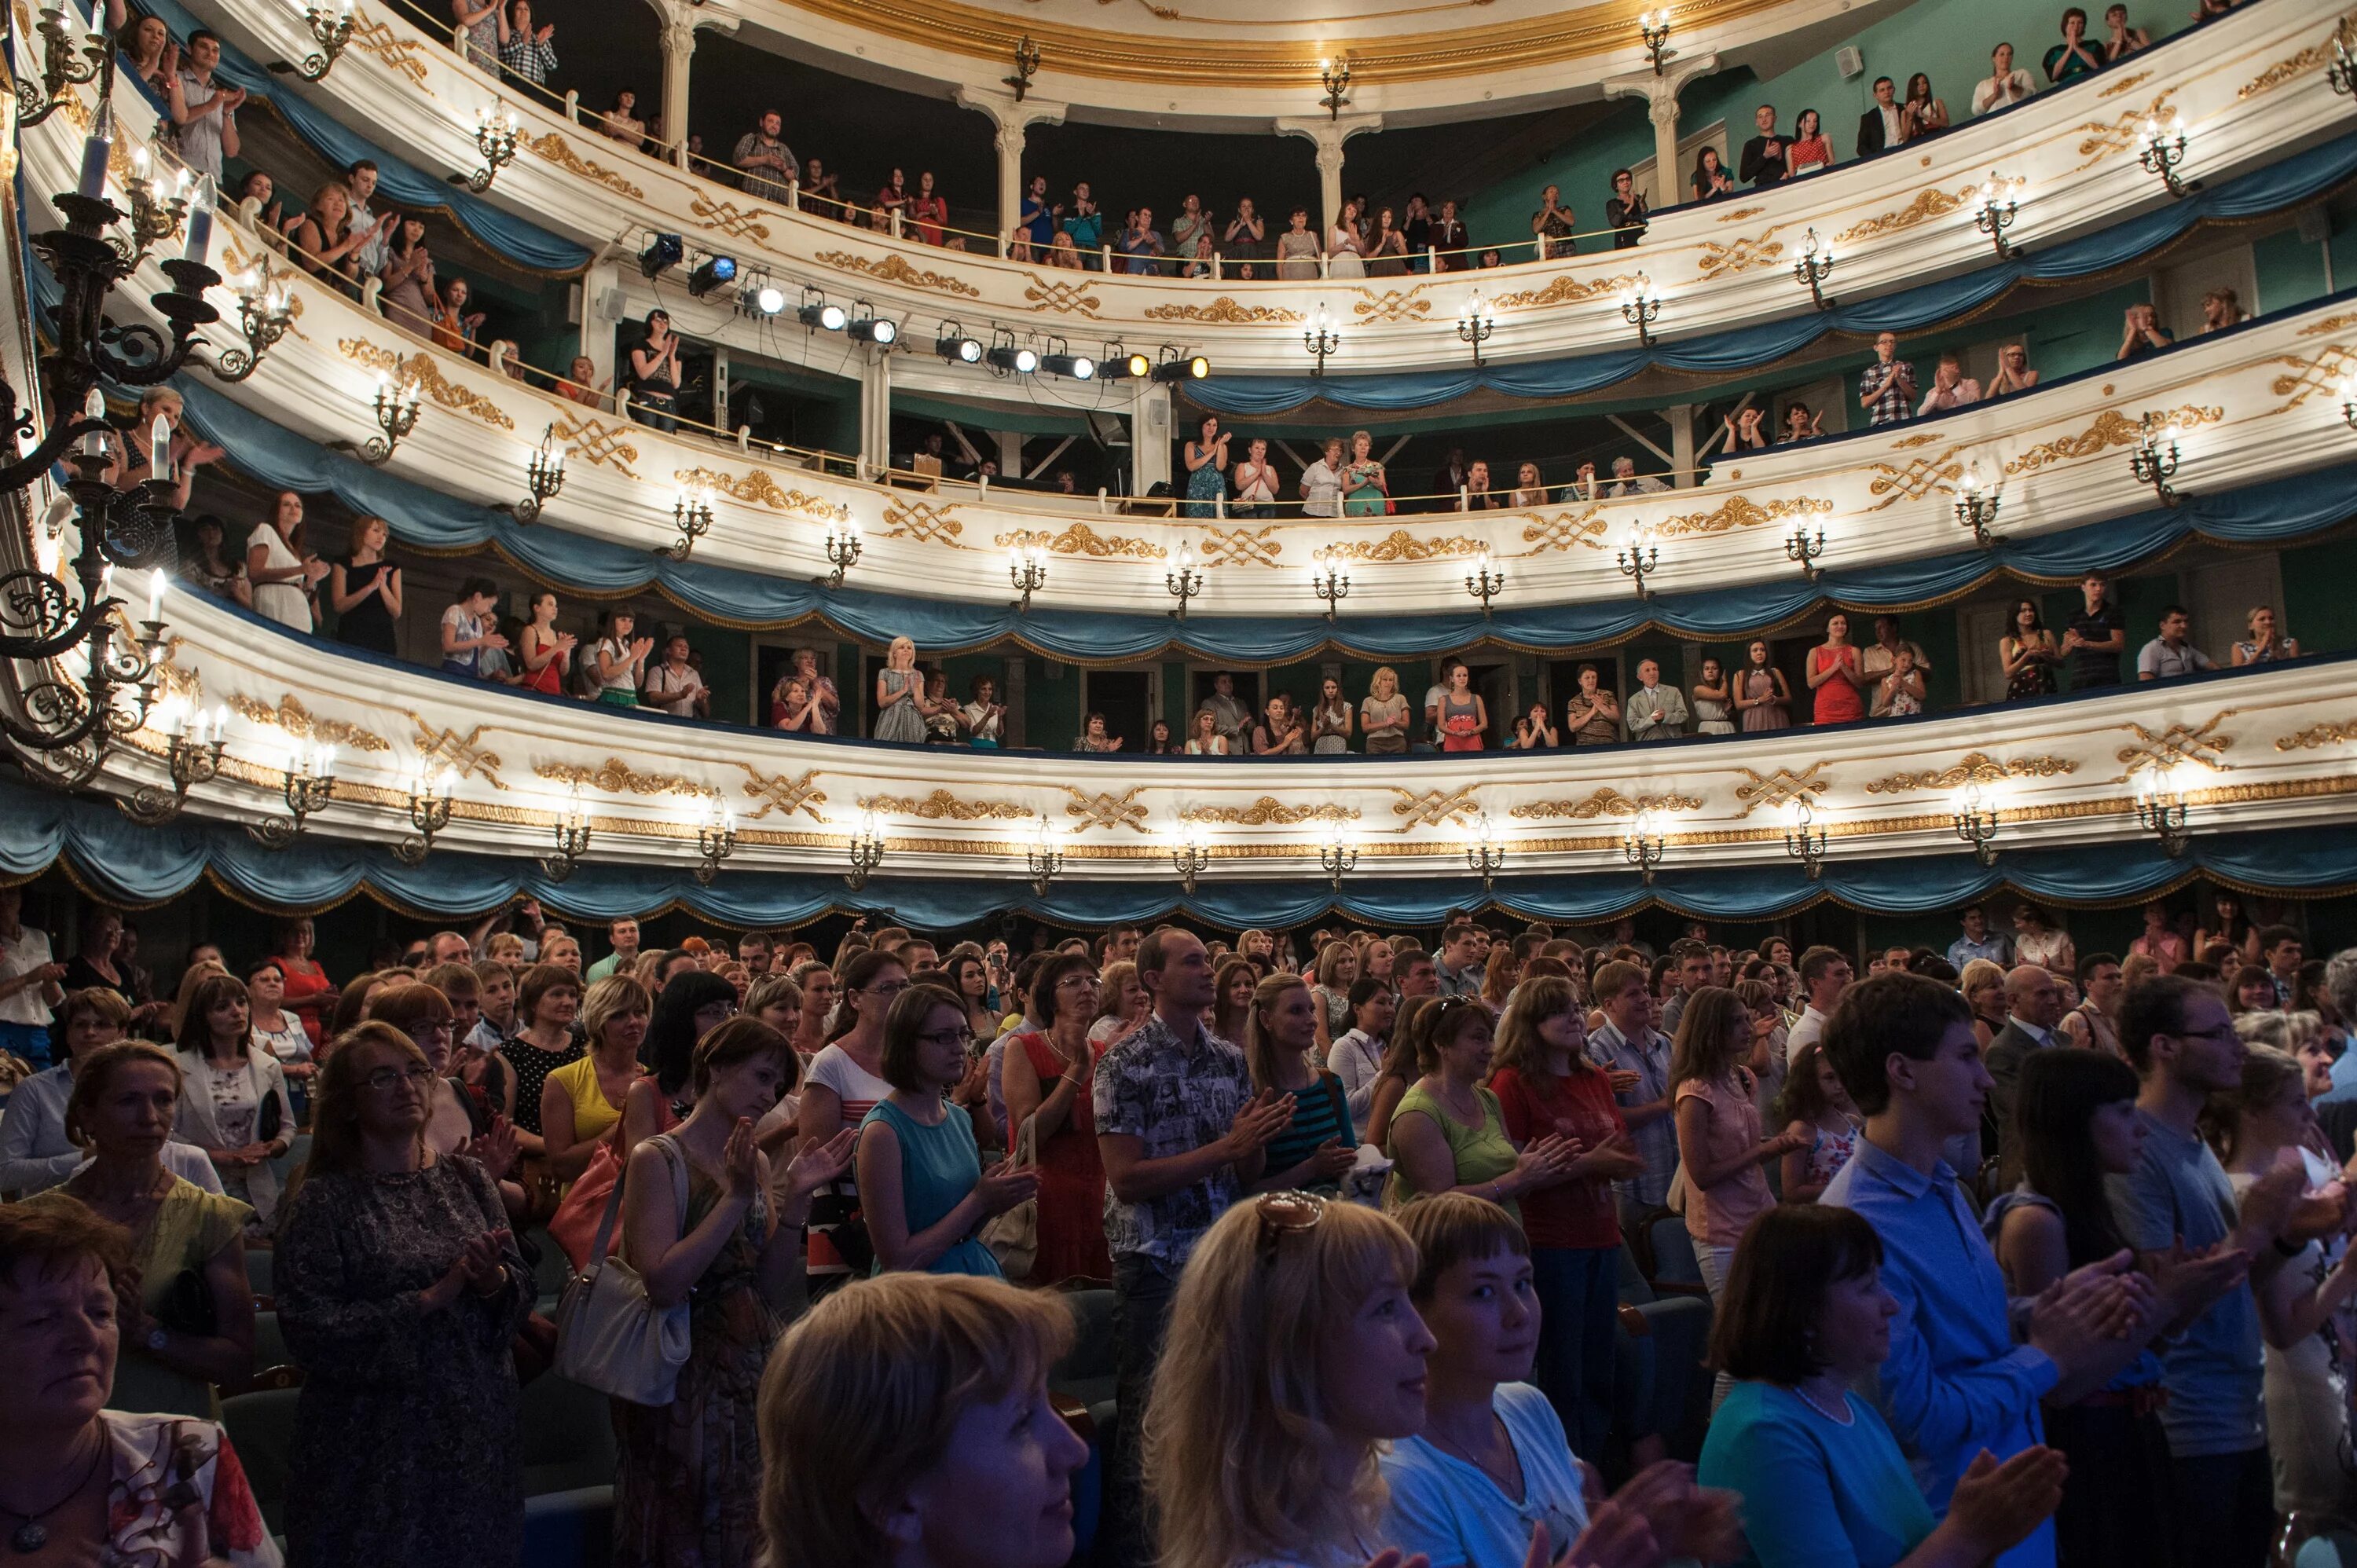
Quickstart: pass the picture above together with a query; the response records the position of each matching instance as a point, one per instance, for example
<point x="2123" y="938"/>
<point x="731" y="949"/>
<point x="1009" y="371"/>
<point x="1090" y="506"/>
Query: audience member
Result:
<point x="2143" y="333"/>
<point x="924" y="1190"/>
<point x="2266" y="645"/>
<point x="1887" y="389"/>
<point x="1762" y="163"/>
<point x="2005" y="84"/>
<point x="2120" y="40"/>
<point x="1811" y="148"/>
<point x="2172" y="653"/>
<point x="2073" y="57"/>
<point x="526" y="52"/>
<point x="1763" y="698"/>
<point x="1883" y="126"/>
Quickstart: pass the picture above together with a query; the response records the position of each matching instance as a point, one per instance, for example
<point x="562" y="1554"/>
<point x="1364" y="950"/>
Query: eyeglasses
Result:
<point x="1089" y="981"/>
<point x="1280" y="1214"/>
<point x="962" y="1038"/>
<point x="385" y="1078"/>
<point x="889" y="988"/>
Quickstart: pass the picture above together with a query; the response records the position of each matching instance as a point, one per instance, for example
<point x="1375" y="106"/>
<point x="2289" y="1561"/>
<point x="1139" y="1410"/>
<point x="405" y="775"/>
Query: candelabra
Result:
<point x="1337" y="857"/>
<point x="691" y="515"/>
<point x="495" y="138"/>
<point x="1189" y="856"/>
<point x="1655" y="27"/>
<point x="310" y="783"/>
<point x="265" y="309"/>
<point x="331" y="29"/>
<point x="1328" y="581"/>
<point x="543" y="475"/>
<point x="1803" y="842"/>
<point x="396" y="416"/>
<point x="1816" y="264"/>
<point x="1485" y="852"/>
<point x="1026" y="65"/>
<point x="1976" y="506"/>
<point x="572" y="835"/>
<point x="2163" y="153"/>
<point x="1976" y="823"/>
<point x="1476" y="324"/>
<point x="1637" y="561"/>
<point x="842" y="546"/>
<point x="60" y="68"/>
<point x="158" y="206"/>
<point x="1483" y="583"/>
<point x="1043" y="858"/>
<point x="1641" y="307"/>
<point x="1805" y="547"/>
<point x="2162" y="810"/>
<point x="1026" y="568"/>
<point x="2000" y="205"/>
<point x="867" y="850"/>
<point x="1642" y="845"/>
<point x="1185" y="580"/>
<point x="1321" y="339"/>
<point x="192" y="760"/>
<point x="2342" y="72"/>
<point x="2153" y="459"/>
<point x="2349" y="403"/>
<point x="716" y="841"/>
<point x="1336" y="74"/>
<point x="429" y="813"/>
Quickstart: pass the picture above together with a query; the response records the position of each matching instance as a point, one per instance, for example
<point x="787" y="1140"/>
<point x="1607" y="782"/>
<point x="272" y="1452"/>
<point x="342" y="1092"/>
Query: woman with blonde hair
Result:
<point x="900" y="688"/>
<point x="1121" y="1006"/>
<point x="1335" y="972"/>
<point x="1384" y="714"/>
<point x="1982" y="987"/>
<point x="581" y="1101"/>
<point x="1292" y="1353"/>
<point x="1318" y="1144"/>
<point x="177" y="1008"/>
<point x="1499" y="976"/>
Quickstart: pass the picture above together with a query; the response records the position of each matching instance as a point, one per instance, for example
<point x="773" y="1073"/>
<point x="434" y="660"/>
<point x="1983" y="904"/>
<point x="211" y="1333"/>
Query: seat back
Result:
<point x="272" y="1361"/>
<point x="568" y="1437"/>
<point x="260" y="1426"/>
<point x="1673" y="1249"/>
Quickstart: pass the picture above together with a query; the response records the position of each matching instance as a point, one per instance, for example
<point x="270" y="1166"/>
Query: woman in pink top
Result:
<point x="1720" y="1151"/>
<point x="1834" y="674"/>
<point x="2158" y="942"/>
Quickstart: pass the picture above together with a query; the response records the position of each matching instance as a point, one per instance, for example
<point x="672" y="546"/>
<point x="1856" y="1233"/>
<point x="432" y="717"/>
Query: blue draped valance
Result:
<point x="2295" y="179"/>
<point x="143" y="866"/>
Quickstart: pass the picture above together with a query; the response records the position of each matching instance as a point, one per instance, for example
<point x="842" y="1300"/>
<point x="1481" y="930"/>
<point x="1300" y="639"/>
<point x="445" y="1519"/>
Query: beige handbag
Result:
<point x="609" y="1337"/>
<point x="1012" y="1237"/>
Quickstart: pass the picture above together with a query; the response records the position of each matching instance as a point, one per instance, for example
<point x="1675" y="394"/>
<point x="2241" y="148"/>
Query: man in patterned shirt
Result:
<point x="1887" y="390"/>
<point x="1182" y="1135"/>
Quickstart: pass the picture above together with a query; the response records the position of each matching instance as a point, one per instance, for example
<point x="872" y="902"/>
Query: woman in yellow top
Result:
<point x="581" y="1101"/>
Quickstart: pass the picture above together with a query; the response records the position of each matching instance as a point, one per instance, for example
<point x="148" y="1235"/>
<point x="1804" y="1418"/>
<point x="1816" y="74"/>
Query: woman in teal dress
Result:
<point x="899" y="691"/>
<point x="923" y="1189"/>
<point x="1365" y="492"/>
<point x="1207" y="463"/>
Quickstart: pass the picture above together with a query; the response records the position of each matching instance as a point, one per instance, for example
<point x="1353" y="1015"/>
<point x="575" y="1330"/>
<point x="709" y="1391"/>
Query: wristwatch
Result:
<point x="157" y="1338"/>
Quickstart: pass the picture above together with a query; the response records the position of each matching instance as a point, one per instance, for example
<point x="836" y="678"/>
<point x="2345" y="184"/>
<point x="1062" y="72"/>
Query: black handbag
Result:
<point x="189" y="1307"/>
<point x="271" y="1119"/>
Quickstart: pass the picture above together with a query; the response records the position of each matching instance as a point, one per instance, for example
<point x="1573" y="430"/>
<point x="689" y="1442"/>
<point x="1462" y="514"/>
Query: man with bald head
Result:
<point x="2033" y="1006"/>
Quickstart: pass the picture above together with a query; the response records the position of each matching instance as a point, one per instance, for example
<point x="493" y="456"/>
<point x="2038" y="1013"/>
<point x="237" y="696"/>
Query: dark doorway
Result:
<point x="1123" y="697"/>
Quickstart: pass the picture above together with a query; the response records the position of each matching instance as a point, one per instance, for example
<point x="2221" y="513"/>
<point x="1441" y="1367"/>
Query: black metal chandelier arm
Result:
<point x="92" y="720"/>
<point x="21" y="474"/>
<point x="38" y="648"/>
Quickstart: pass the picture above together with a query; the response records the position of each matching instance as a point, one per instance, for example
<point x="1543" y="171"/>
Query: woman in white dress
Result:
<point x="282" y="573"/>
<point x="1345" y="247"/>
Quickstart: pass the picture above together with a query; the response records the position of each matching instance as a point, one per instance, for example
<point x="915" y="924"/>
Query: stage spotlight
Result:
<point x="766" y="299"/>
<point x="955" y="347"/>
<point x="1187" y="368"/>
<point x="1013" y="356"/>
<point x="869" y="327"/>
<point x="818" y="314"/>
<point x="1078" y="366"/>
<point x="664" y="252"/>
<point x="713" y="271"/>
<point x="1118" y="365"/>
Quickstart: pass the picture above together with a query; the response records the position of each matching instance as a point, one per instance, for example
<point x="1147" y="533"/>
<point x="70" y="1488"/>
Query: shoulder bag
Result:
<point x="609" y="1337"/>
<point x="1012" y="1237"/>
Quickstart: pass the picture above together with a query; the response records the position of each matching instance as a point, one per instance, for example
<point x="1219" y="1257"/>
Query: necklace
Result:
<point x="32" y="1535"/>
<point x="1841" y="1417"/>
<point x="1486" y="1465"/>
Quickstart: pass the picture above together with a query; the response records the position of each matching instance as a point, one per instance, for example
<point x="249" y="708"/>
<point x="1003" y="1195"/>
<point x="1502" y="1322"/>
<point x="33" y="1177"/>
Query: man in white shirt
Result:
<point x="1655" y="711"/>
<point x="1825" y="973"/>
<point x="1434" y="695"/>
<point x="1628" y="1045"/>
<point x="362" y="180"/>
<point x="2004" y="86"/>
<point x="1877" y="128"/>
<point x="1625" y="481"/>
<point x="28" y="981"/>
<point x="674" y="686"/>
<point x="205" y="116"/>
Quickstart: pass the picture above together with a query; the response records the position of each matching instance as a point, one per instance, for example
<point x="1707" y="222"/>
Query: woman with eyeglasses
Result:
<point x="923" y="1189"/>
<point x="1049" y="1079"/>
<point x="844" y="1083"/>
<point x="399" y="1288"/>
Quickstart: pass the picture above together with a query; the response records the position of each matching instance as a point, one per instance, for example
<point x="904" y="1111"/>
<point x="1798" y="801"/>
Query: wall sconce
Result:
<point x="1816" y="264"/>
<point x="2153" y="459"/>
<point x="1476" y="324"/>
<point x="1336" y="857"/>
<point x="265" y="310"/>
<point x="1655" y="27"/>
<point x="1043" y="858"/>
<point x="716" y="841"/>
<point x="193" y="758"/>
<point x="1483" y="583"/>
<point x="1185" y="580"/>
<point x="1641" y="307"/>
<point x="495" y="138"/>
<point x="842" y="545"/>
<point x="1321" y="339"/>
<point x="59" y="69"/>
<point x="1189" y="857"/>
<point x="1026" y="65"/>
<point x="1485" y="851"/>
<point x="429" y="813"/>
<point x="2000" y="205"/>
<point x="157" y="208"/>
<point x="1802" y="842"/>
<point x="2161" y="808"/>
<point x="331" y="29"/>
<point x="572" y="834"/>
<point x="543" y="475"/>
<point x="308" y="784"/>
<point x="2349" y="403"/>
<point x="1803" y="546"/>
<point x="692" y="514"/>
<point x="2342" y="72"/>
<point x="1976" y="506"/>
<point x="396" y="416"/>
<point x="865" y="850"/>
<point x="1328" y="581"/>
<point x="1975" y="821"/>
<point x="1336" y="74"/>
<point x="1026" y="568"/>
<point x="1644" y="845"/>
<point x="1638" y="559"/>
<point x="2163" y="153"/>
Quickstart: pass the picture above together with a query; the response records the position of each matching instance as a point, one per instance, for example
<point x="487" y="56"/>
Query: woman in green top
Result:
<point x="1280" y="1035"/>
<point x="921" y="1186"/>
<point x="1365" y="492"/>
<point x="1449" y="1134"/>
<point x="192" y="1325"/>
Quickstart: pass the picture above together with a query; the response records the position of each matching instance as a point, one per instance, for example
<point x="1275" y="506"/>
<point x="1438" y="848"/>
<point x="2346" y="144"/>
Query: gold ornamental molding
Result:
<point x="785" y="796"/>
<point x="399" y="53"/>
<point x="559" y="151"/>
<point x="463" y="754"/>
<point x="1226" y="311"/>
<point x="1927" y="205"/>
<point x="1562" y="290"/>
<point x="1741" y="511"/>
<point x="2300" y="64"/>
<point x="1269" y="811"/>
<point x="1780" y="788"/>
<point x="1977" y="767"/>
<point x="1563" y="531"/>
<point x="1433" y="808"/>
<point x="2324" y="374"/>
<point x="601" y="444"/>
<point x="2112" y="428"/>
<point x="2129" y="84"/>
<point x="1606" y="802"/>
<point x="1741" y="213"/>
<point x="1240" y="547"/>
<point x="1080" y="539"/>
<point x="2329" y="324"/>
<point x="2177" y="745"/>
<point x="927" y="522"/>
<point x="1741" y="256"/>
<point x="298" y="721"/>
<point x="2331" y="733"/>
<point x="616" y="776"/>
<point x="1371" y="309"/>
<point x="757" y="489"/>
<point x="1105" y="810"/>
<point x="729" y="219"/>
<point x="942" y="806"/>
<point x="420" y="370"/>
<point x="896" y="269"/>
<point x="1066" y="298"/>
<point x="2106" y="137"/>
<point x="1399" y="544"/>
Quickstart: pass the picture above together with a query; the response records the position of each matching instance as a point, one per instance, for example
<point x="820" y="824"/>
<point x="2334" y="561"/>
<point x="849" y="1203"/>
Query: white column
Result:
<point x="875" y="413"/>
<point x="1149" y="437"/>
<point x="680" y="18"/>
<point x="1660" y="94"/>
<point x="597" y="333"/>
<point x="1013" y="122"/>
<point x="1682" y="443"/>
<point x="1327" y="135"/>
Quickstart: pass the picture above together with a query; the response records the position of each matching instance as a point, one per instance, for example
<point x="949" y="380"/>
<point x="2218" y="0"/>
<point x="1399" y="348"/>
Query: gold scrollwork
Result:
<point x="559" y="151"/>
<point x="1606" y="802"/>
<point x="2111" y="429"/>
<point x="1741" y="213"/>
<point x="1563" y="531"/>
<point x="2332" y="731"/>
<point x="1225" y="310"/>
<point x="1054" y="293"/>
<point x="298" y="721"/>
<point x="616" y="776"/>
<point x="1240" y="547"/>
<point x="463" y="754"/>
<point x="1977" y="767"/>
<point x="2323" y="373"/>
<point x="729" y="219"/>
<point x="785" y="796"/>
<point x="2177" y="745"/>
<point x="1928" y="204"/>
<point x="942" y="806"/>
<point x="896" y="269"/>
<point x="1106" y="811"/>
<point x="1399" y="544"/>
<point x="1269" y="811"/>
<point x="1080" y="539"/>
<point x="378" y="39"/>
<point x="1434" y="807"/>
<point x="758" y="488"/>
<point x="2125" y="84"/>
<point x="1562" y="290"/>
<point x="1741" y="512"/>
<point x="420" y="371"/>
<point x="602" y="444"/>
<point x="2284" y="70"/>
<point x="2329" y="324"/>
<point x="924" y="522"/>
<point x="2106" y="137"/>
<point x="1371" y="309"/>
<point x="1741" y="256"/>
<point x="1780" y="788"/>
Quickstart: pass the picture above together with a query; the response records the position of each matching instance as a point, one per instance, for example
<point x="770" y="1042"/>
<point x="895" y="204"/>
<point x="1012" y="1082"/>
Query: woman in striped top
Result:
<point x="1318" y="1144"/>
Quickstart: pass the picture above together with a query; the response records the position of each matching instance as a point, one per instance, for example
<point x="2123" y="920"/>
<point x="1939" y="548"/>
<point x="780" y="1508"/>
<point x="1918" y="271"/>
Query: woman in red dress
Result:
<point x="1049" y="1079"/>
<point x="310" y="994"/>
<point x="1835" y="676"/>
<point x="547" y="652"/>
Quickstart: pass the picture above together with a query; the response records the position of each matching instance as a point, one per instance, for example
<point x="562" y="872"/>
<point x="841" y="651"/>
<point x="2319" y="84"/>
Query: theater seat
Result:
<point x="1661" y="1386"/>
<point x="257" y="1270"/>
<point x="270" y="1351"/>
<point x="568" y="1437"/>
<point x="550" y="1267"/>
<point x="262" y="1427"/>
<point x="1086" y="1373"/>
<point x="569" y="1529"/>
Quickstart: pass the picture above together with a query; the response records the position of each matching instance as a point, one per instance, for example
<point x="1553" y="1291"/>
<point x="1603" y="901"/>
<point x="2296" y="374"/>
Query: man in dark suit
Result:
<point x="1877" y="128"/>
<point x="1763" y="154"/>
<point x="2033" y="1005"/>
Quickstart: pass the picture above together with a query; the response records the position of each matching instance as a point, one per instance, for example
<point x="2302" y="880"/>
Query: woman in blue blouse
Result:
<point x="1823" y="1485"/>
